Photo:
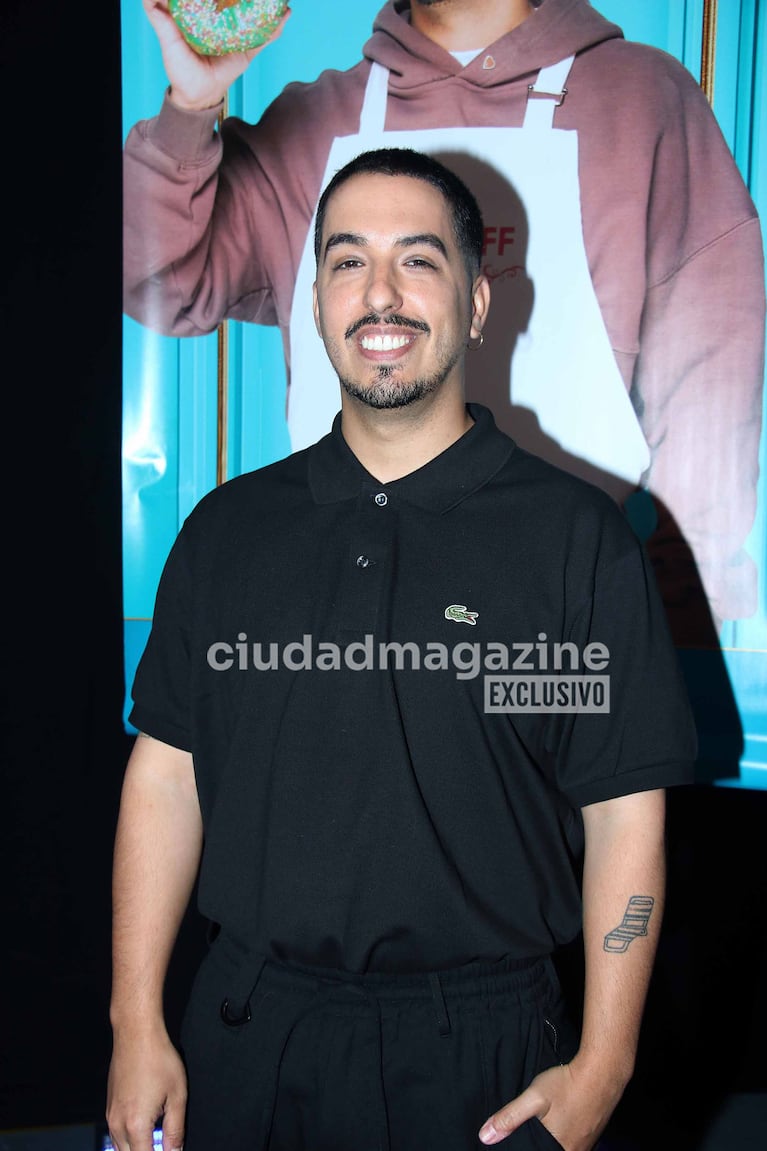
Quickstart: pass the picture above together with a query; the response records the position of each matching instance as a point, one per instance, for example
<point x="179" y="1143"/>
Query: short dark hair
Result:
<point x="467" y="217"/>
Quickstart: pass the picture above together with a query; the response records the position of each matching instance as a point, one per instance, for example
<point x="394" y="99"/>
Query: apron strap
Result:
<point x="546" y="94"/>
<point x="373" y="114"/>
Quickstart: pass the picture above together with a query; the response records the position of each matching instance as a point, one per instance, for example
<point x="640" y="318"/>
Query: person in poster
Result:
<point x="627" y="341"/>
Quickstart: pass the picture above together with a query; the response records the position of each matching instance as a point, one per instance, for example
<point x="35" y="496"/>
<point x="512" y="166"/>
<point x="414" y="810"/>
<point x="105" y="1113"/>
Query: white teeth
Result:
<point x="384" y="343"/>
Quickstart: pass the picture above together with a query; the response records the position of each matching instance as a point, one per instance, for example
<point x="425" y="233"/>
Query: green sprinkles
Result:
<point x="216" y="31"/>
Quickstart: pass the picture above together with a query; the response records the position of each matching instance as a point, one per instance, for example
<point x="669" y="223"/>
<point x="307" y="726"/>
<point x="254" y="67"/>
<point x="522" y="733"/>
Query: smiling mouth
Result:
<point x="384" y="343"/>
<point x="396" y="321"/>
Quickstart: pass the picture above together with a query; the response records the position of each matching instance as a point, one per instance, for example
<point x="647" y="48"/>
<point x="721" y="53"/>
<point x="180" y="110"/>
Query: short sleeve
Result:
<point x="161" y="696"/>
<point x="645" y="737"/>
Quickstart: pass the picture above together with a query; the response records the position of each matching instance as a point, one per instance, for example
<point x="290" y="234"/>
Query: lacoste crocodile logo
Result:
<point x="459" y="614"/>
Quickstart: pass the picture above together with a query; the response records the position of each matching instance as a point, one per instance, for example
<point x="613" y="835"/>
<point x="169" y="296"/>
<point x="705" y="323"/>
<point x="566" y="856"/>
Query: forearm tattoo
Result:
<point x="635" y="920"/>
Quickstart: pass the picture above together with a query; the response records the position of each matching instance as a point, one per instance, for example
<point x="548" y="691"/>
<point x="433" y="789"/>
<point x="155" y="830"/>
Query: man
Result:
<point x="624" y="250"/>
<point x="392" y="825"/>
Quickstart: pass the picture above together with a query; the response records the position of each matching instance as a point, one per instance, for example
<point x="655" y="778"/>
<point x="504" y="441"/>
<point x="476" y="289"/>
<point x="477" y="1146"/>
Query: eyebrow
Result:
<point x="430" y="239"/>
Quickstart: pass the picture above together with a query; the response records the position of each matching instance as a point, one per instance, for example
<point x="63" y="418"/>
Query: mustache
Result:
<point x="395" y="320"/>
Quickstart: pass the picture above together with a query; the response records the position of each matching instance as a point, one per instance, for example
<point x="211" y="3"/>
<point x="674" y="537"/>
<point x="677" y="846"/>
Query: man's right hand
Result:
<point x="147" y="1083"/>
<point x="197" y="82"/>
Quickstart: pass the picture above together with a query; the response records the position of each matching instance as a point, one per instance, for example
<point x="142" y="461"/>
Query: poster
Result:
<point x="198" y="411"/>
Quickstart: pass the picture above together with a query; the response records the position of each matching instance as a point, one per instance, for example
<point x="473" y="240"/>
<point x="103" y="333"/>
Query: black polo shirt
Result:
<point x="415" y="806"/>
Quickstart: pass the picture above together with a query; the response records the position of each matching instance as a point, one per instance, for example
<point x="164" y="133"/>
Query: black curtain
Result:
<point x="62" y="743"/>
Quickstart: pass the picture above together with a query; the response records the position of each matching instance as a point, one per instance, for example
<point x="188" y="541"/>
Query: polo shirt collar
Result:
<point x="336" y="474"/>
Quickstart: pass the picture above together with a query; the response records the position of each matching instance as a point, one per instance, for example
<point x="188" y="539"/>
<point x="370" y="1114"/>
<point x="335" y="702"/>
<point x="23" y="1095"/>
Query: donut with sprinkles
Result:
<point x="217" y="27"/>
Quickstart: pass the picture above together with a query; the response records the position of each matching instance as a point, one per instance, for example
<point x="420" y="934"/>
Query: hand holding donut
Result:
<point x="201" y="81"/>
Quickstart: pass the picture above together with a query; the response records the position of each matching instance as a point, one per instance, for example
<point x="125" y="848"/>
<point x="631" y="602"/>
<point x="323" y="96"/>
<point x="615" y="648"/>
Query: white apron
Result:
<point x="546" y="368"/>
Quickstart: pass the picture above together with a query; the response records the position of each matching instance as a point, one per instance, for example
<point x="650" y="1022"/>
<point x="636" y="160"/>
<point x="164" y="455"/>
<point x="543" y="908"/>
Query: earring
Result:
<point x="476" y="347"/>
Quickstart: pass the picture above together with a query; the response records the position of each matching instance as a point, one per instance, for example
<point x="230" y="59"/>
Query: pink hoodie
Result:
<point x="215" y="226"/>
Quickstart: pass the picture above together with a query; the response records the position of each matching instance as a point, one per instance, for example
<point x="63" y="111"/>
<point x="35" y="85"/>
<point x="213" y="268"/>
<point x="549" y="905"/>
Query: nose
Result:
<point x="382" y="291"/>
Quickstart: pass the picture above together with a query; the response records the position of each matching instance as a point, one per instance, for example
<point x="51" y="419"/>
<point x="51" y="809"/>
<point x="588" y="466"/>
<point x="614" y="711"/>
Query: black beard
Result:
<point x="382" y="394"/>
<point x="385" y="393"/>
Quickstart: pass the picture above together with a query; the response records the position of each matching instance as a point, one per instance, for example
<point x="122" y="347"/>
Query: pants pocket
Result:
<point x="226" y="1106"/>
<point x="542" y="1137"/>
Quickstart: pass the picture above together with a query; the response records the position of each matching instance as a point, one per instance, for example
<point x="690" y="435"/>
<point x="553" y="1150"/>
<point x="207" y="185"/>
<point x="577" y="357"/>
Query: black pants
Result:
<point x="290" y="1059"/>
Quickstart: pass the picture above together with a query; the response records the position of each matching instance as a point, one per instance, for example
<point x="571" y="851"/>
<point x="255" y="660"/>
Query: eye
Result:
<point x="419" y="262"/>
<point x="349" y="262"/>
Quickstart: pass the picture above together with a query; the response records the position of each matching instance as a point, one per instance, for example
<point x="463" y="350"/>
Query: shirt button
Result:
<point x="381" y="499"/>
<point x="363" y="562"/>
<point x="488" y="63"/>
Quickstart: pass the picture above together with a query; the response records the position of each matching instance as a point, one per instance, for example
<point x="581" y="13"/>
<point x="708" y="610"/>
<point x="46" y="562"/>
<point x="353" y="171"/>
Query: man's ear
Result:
<point x="480" y="303"/>
<point x="316" y="309"/>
